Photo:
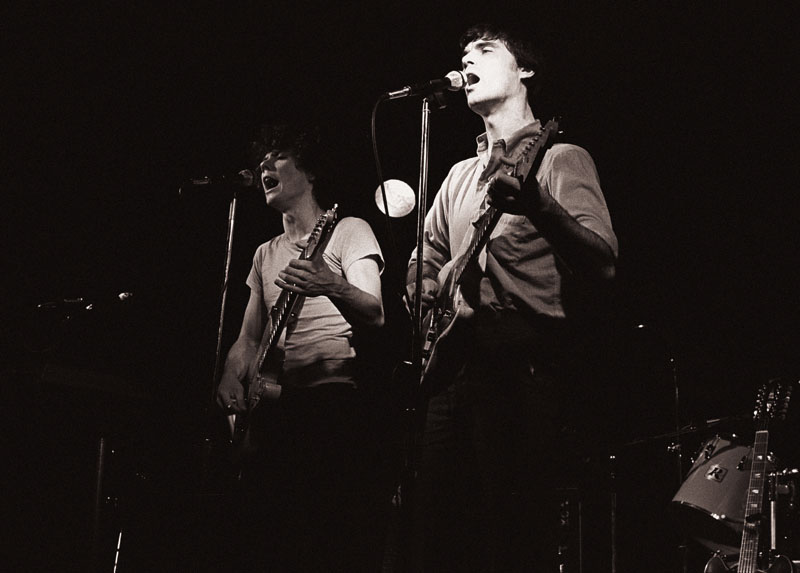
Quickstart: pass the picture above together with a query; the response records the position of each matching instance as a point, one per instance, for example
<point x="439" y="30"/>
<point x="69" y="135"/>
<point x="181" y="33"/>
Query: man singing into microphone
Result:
<point x="489" y="450"/>
<point x="302" y="484"/>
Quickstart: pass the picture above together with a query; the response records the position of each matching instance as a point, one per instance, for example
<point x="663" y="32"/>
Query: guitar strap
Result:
<point x="518" y="164"/>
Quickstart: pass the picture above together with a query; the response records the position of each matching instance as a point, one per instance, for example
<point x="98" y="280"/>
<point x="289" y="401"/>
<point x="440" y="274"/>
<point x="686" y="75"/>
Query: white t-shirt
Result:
<point x="320" y="332"/>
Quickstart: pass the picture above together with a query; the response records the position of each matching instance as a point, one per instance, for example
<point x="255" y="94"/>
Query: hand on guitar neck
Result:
<point x="430" y="290"/>
<point x="510" y="194"/>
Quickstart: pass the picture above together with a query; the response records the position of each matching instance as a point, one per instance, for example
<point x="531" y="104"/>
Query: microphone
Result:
<point x="453" y="82"/>
<point x="245" y="178"/>
<point x="83" y="303"/>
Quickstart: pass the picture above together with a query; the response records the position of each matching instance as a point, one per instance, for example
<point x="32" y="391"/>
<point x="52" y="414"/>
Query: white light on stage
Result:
<point x="399" y="196"/>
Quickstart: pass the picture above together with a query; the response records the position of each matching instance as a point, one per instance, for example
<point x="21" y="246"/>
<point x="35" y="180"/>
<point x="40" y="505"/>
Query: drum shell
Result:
<point x="711" y="501"/>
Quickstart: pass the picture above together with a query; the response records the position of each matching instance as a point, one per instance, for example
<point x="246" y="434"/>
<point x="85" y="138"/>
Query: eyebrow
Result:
<point x="477" y="44"/>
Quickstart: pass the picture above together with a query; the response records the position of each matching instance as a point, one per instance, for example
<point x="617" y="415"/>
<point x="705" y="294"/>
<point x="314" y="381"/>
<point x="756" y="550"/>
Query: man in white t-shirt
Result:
<point x="301" y="504"/>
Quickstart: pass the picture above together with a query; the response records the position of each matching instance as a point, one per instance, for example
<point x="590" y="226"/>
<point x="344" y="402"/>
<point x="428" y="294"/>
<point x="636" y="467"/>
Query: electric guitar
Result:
<point x="772" y="402"/>
<point x="449" y="304"/>
<point x="263" y="383"/>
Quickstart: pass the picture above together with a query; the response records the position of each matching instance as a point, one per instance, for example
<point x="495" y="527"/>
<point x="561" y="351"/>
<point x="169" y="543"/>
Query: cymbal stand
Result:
<point x="98" y="503"/>
<point x="677" y="448"/>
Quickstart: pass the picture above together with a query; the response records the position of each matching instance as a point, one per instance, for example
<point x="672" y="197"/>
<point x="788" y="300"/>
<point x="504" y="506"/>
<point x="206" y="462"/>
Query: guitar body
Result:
<point x="438" y="361"/>
<point x="243" y="444"/>
<point x="717" y="565"/>
<point x="782" y="564"/>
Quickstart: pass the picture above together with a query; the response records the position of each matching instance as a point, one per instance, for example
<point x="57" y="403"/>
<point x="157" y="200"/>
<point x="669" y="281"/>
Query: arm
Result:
<point x="583" y="251"/>
<point x="357" y="295"/>
<point x="241" y="356"/>
<point x="435" y="247"/>
<point x="579" y="229"/>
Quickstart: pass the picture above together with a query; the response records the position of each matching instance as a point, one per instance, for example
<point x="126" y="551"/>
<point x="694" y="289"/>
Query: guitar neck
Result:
<point x="287" y="300"/>
<point x="283" y="308"/>
<point x="748" y="554"/>
<point x="481" y="234"/>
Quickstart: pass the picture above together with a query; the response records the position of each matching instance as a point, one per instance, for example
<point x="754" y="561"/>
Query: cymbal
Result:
<point x="689" y="429"/>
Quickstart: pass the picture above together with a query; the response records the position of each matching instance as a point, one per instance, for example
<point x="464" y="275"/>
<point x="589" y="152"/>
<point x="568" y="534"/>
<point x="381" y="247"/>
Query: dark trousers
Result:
<point x="307" y="500"/>
<point x="488" y="464"/>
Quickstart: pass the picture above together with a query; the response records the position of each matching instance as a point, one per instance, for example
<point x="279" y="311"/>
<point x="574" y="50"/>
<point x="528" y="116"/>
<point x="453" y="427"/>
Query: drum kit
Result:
<point x="738" y="499"/>
<point x="710" y="503"/>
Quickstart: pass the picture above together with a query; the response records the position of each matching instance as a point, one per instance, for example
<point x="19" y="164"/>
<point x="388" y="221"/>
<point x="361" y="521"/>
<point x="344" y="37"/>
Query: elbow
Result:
<point x="372" y="318"/>
<point x="601" y="272"/>
<point x="373" y="323"/>
<point x="378" y="316"/>
<point x="378" y="320"/>
<point x="606" y="267"/>
<point x="608" y="272"/>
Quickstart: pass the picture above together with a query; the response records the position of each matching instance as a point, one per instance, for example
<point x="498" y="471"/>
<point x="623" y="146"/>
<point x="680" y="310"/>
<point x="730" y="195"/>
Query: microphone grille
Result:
<point x="457" y="80"/>
<point x="248" y="177"/>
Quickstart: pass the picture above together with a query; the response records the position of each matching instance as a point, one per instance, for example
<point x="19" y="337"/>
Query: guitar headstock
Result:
<point x="551" y="132"/>
<point x="772" y="402"/>
<point x="321" y="229"/>
<point x="551" y="128"/>
<point x="531" y="157"/>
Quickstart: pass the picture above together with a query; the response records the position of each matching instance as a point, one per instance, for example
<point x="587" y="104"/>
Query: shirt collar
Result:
<point x="507" y="144"/>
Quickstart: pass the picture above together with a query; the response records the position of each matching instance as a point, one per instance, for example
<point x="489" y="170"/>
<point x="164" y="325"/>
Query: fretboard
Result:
<point x="280" y="312"/>
<point x="748" y="555"/>
<point x="483" y="228"/>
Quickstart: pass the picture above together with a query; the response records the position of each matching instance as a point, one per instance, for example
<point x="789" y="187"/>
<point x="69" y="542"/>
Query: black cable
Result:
<point x="389" y="232"/>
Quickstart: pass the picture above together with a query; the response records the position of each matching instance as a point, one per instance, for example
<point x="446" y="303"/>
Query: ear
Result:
<point x="525" y="73"/>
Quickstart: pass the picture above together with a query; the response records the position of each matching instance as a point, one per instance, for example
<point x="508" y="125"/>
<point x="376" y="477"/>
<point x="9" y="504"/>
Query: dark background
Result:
<point x="108" y="111"/>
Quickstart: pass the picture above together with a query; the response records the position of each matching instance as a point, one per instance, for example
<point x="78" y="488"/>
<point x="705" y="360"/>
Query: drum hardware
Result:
<point x="676" y="438"/>
<point x="684" y="431"/>
<point x="106" y="398"/>
<point x="783" y="517"/>
<point x="740" y="507"/>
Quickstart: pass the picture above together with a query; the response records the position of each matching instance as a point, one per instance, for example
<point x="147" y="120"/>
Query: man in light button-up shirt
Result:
<point x="496" y="377"/>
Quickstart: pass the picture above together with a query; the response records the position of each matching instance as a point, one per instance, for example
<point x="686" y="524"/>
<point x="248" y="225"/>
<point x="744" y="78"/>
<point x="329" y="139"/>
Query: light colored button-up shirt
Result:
<point x="520" y="270"/>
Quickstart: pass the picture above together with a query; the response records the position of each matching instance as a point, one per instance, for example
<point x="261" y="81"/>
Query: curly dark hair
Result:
<point x="305" y="143"/>
<point x="526" y="54"/>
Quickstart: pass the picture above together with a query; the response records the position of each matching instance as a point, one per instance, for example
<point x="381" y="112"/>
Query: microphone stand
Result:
<point x="414" y="410"/>
<point x="422" y="202"/>
<point x="208" y="442"/>
<point x="224" y="294"/>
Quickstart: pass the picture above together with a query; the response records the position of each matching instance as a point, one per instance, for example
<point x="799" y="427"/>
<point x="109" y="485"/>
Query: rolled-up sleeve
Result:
<point x="571" y="178"/>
